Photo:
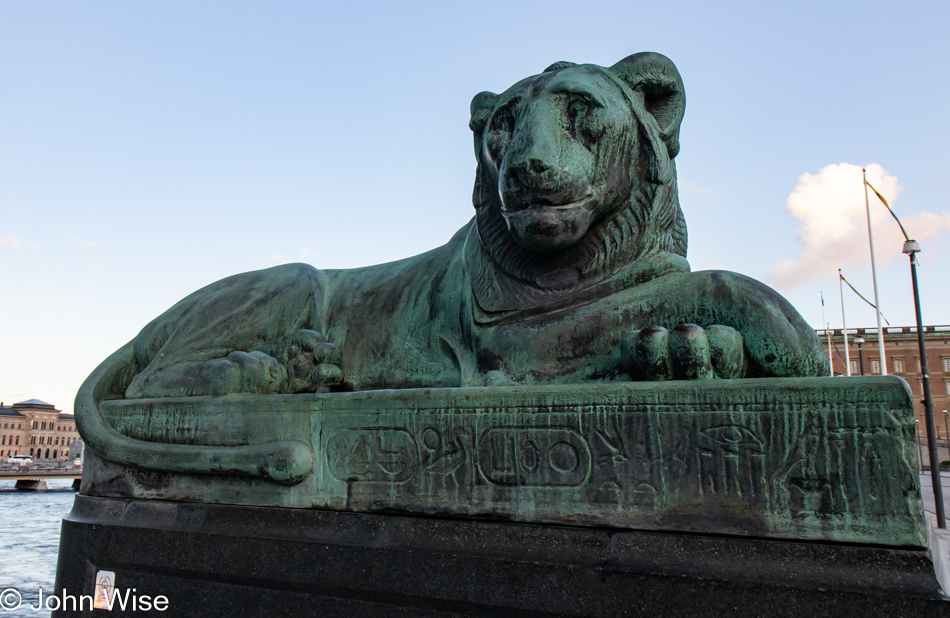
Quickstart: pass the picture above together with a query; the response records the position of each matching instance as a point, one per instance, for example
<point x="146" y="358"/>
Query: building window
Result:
<point x="854" y="367"/>
<point x="946" y="364"/>
<point x="875" y="365"/>
<point x="948" y="388"/>
<point x="898" y="365"/>
<point x="918" y="363"/>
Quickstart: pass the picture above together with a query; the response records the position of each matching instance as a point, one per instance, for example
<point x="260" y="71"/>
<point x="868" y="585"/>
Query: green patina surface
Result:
<point x="572" y="271"/>
<point x="803" y="458"/>
<point x="555" y="361"/>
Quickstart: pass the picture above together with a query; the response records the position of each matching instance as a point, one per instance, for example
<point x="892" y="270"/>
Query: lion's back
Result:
<point x="400" y="324"/>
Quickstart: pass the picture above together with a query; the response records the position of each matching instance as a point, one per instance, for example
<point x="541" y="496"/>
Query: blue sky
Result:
<point x="147" y="149"/>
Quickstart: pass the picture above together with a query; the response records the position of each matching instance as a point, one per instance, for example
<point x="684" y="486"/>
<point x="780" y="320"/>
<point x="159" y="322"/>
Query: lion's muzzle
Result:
<point x="549" y="228"/>
<point x="546" y="198"/>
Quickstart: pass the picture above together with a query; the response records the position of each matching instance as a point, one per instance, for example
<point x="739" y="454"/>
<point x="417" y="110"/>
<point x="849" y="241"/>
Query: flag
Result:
<point x="859" y="293"/>
<point x="886" y="205"/>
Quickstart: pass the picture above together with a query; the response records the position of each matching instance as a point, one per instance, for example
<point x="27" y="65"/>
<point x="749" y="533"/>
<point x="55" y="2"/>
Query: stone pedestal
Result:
<point x="781" y="497"/>
<point x="219" y="560"/>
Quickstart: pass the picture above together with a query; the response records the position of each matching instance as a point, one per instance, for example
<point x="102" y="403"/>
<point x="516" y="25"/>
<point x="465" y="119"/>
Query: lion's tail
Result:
<point x="287" y="462"/>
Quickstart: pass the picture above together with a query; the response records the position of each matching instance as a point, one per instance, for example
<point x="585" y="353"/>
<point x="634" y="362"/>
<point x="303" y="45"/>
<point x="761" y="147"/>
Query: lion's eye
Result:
<point x="583" y="119"/>
<point x="500" y="128"/>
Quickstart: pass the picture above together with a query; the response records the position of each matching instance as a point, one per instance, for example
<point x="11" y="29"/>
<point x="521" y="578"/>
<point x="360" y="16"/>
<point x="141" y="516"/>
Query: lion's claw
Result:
<point x="688" y="352"/>
<point x="299" y="362"/>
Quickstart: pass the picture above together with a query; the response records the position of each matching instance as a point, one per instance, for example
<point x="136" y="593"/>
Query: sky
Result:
<point x="150" y="148"/>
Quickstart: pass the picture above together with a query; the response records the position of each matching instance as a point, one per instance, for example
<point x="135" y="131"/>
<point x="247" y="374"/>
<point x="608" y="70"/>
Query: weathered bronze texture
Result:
<point x="811" y="458"/>
<point x="573" y="271"/>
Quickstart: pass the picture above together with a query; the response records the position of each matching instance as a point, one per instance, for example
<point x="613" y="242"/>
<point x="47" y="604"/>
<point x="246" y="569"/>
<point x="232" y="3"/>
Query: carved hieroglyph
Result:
<point x="786" y="458"/>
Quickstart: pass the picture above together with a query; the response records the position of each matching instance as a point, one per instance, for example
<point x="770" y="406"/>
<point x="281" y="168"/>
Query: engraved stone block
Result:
<point x="808" y="458"/>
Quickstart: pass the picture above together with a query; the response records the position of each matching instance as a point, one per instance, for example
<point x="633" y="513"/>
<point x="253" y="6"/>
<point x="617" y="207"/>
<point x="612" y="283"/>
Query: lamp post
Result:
<point x="859" y="341"/>
<point x="911" y="247"/>
<point x="946" y="425"/>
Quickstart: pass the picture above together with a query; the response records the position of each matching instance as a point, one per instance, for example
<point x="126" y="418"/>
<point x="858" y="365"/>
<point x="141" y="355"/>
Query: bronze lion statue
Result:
<point x="573" y="270"/>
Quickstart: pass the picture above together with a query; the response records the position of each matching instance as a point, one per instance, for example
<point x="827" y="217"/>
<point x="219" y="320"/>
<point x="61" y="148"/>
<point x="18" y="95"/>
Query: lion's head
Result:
<point x="575" y="171"/>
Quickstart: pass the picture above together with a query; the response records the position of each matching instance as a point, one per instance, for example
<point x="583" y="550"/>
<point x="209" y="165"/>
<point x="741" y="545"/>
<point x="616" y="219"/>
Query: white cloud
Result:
<point x="12" y="241"/>
<point x="830" y="209"/>
<point x="83" y="242"/>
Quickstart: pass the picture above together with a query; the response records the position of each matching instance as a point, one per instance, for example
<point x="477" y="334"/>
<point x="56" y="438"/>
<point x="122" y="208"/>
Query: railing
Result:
<point x="923" y="453"/>
<point x="39" y="470"/>
<point x="888" y="330"/>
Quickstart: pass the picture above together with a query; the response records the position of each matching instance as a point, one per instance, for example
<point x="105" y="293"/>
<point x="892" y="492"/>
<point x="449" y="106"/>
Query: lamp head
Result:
<point x="911" y="247"/>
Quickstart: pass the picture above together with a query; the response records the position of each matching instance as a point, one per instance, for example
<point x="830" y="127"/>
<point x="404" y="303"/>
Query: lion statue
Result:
<point x="573" y="270"/>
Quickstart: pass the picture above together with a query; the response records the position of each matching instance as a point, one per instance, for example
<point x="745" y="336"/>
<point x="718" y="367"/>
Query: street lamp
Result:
<point x="859" y="341"/>
<point x="911" y="247"/>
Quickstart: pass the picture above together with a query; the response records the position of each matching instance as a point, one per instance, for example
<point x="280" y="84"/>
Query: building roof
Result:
<point x="33" y="402"/>
<point x="939" y="330"/>
<point x="66" y="417"/>
<point x="8" y="411"/>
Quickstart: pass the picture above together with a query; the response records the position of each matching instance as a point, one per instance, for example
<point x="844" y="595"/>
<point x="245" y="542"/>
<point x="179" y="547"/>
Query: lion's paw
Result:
<point x="299" y="362"/>
<point x="688" y="352"/>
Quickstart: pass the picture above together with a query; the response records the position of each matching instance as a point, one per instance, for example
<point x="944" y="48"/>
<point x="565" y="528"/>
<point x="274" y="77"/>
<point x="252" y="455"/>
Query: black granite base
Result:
<point x="216" y="560"/>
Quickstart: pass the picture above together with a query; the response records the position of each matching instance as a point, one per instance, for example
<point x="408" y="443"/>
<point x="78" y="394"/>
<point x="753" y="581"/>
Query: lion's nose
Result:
<point x="532" y="175"/>
<point x="536" y="166"/>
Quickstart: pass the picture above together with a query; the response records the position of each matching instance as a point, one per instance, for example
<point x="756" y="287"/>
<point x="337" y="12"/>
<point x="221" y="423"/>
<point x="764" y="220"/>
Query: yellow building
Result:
<point x="38" y="429"/>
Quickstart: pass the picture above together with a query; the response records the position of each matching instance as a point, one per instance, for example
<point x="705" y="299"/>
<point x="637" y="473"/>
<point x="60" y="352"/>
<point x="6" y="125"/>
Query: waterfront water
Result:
<point x="29" y="539"/>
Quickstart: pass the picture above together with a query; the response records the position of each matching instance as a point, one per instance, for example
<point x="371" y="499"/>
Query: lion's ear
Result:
<point x="482" y="105"/>
<point x="655" y="76"/>
<point x="659" y="101"/>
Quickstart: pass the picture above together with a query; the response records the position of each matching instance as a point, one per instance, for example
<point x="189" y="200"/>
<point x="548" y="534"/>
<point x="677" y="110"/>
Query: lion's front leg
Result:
<point x="688" y="352"/>
<point x="717" y="324"/>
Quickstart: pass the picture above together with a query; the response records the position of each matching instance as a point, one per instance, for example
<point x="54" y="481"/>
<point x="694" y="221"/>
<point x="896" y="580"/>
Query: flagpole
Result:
<point x="877" y="301"/>
<point x="844" y="328"/>
<point x="831" y="368"/>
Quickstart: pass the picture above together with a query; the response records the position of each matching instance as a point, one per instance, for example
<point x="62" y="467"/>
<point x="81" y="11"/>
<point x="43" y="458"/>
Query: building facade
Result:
<point x="38" y="429"/>
<point x="902" y="358"/>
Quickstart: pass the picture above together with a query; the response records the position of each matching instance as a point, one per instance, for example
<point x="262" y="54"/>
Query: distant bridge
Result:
<point x="33" y="478"/>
